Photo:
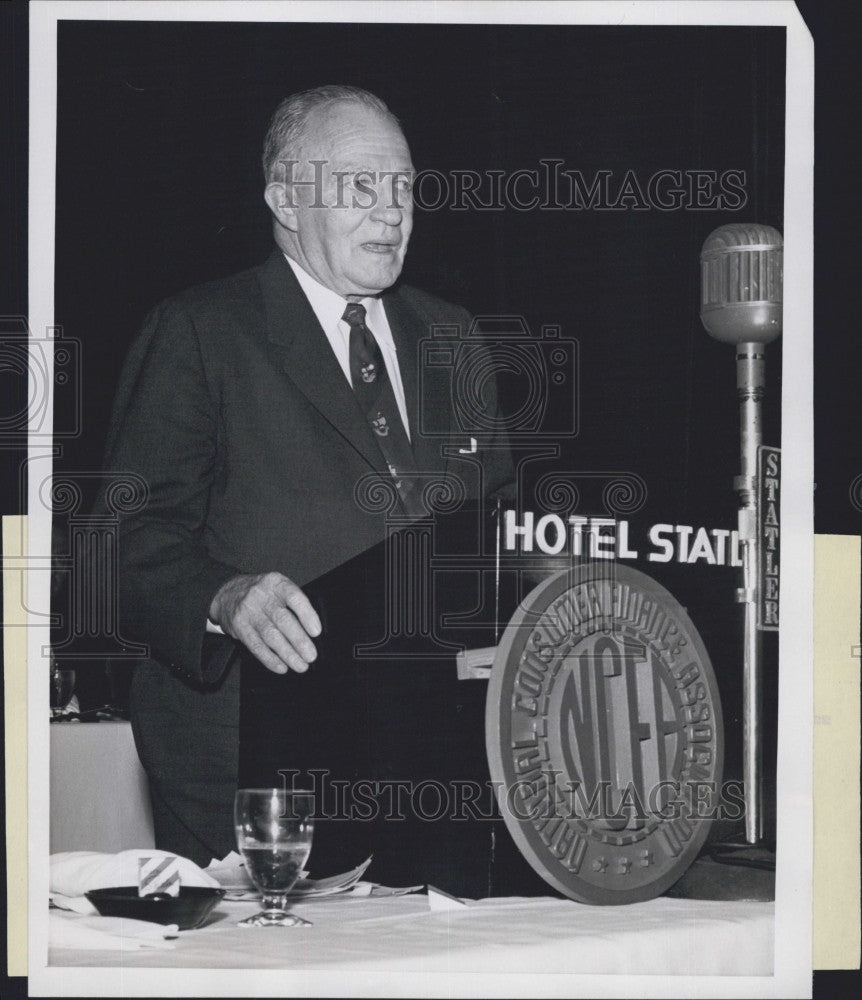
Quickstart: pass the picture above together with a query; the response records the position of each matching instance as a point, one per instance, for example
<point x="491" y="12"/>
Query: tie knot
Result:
<point x="354" y="314"/>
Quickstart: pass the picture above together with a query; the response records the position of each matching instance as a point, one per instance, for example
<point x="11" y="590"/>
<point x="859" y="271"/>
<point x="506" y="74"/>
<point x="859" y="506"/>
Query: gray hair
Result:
<point x="287" y="126"/>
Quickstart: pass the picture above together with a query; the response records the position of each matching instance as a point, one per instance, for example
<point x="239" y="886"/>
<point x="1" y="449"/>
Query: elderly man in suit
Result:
<point x="253" y="407"/>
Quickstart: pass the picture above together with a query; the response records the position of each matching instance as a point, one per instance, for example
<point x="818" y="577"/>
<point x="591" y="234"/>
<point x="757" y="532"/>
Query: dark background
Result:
<point x="838" y="352"/>
<point x="159" y="186"/>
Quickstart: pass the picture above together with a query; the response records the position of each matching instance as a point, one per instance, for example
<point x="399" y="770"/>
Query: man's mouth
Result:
<point x="382" y="248"/>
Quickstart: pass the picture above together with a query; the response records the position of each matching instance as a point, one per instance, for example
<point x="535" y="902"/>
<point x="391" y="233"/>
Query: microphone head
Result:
<point x="742" y="268"/>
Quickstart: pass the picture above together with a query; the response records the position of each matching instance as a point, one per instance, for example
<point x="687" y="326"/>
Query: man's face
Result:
<point x="353" y="225"/>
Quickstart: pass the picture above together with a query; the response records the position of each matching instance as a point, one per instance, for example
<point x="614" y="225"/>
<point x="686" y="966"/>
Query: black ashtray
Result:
<point x="188" y="910"/>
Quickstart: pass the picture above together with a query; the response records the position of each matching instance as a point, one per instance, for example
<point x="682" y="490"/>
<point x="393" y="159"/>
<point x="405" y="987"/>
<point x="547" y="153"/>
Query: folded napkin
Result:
<point x="76" y="872"/>
<point x="107" y="933"/>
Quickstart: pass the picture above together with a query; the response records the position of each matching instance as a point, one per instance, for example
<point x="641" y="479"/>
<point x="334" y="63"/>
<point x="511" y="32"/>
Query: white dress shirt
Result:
<point x="329" y="307"/>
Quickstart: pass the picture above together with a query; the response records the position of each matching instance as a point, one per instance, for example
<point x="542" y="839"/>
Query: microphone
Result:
<point x="741" y="283"/>
<point x="741" y="303"/>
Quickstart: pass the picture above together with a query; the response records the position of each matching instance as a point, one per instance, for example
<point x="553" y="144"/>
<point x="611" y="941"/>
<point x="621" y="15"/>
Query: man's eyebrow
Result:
<point x="353" y="168"/>
<point x="407" y="172"/>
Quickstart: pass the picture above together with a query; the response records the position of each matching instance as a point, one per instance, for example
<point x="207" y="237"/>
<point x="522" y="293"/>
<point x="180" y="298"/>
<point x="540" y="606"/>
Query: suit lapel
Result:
<point x="408" y="331"/>
<point x="300" y="349"/>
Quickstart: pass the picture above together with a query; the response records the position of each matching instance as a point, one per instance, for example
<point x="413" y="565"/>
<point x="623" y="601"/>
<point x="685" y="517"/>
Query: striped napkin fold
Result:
<point x="158" y="875"/>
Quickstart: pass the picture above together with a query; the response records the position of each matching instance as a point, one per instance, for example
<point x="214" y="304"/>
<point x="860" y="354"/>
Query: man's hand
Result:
<point x="271" y="616"/>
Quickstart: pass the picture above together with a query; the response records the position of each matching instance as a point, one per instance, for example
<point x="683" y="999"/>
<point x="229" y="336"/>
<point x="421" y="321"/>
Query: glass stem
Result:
<point x="275" y="901"/>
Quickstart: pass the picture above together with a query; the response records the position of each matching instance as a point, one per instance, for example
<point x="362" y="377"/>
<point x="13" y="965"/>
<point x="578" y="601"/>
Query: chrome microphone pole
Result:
<point x="750" y="357"/>
<point x="741" y="302"/>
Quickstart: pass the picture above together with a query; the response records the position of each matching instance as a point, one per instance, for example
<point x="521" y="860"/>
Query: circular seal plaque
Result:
<point x="604" y="734"/>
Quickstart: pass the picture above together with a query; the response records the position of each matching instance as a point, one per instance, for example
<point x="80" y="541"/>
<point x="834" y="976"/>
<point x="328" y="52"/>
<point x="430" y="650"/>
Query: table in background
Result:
<point x="99" y="794"/>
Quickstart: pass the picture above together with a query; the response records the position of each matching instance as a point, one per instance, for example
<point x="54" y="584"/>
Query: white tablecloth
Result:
<point x="99" y="795"/>
<point x="401" y="934"/>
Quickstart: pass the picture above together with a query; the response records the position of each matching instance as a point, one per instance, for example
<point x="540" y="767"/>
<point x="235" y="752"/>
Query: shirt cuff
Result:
<point x="212" y="627"/>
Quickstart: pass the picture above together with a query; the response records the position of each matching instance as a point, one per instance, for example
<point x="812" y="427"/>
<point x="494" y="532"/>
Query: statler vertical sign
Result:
<point x="768" y="536"/>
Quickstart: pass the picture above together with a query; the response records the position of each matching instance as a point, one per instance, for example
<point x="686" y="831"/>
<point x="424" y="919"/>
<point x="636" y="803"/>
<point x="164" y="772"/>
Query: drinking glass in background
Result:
<point x="62" y="689"/>
<point x="274" y="828"/>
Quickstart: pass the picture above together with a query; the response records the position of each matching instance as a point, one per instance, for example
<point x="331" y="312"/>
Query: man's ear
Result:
<point x="279" y="197"/>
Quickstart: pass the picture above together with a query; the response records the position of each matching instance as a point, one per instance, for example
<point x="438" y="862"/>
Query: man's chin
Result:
<point x="377" y="280"/>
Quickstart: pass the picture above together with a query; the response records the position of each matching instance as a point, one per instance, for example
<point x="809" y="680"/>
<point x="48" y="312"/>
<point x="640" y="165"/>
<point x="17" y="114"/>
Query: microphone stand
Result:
<point x="741" y="296"/>
<point x="750" y="364"/>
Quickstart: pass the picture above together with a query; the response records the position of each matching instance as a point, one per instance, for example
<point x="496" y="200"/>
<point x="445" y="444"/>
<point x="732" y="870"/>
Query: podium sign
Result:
<point x="604" y="734"/>
<point x="768" y="536"/>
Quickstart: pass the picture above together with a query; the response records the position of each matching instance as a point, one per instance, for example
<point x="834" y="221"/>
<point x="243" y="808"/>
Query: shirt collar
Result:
<point x="329" y="306"/>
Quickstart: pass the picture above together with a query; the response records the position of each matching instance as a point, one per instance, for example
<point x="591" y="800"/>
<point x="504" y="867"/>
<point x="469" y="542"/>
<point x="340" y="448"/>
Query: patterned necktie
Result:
<point x="374" y="393"/>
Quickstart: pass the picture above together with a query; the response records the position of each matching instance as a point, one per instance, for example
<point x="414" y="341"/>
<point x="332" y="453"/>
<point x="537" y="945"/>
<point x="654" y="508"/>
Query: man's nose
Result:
<point x="388" y="208"/>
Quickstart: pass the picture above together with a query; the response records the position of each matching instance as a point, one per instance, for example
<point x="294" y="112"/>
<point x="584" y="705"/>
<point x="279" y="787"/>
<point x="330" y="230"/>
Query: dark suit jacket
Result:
<point x="233" y="409"/>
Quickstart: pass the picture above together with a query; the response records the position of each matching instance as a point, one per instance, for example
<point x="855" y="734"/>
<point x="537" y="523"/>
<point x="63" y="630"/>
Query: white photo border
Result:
<point x="792" y="969"/>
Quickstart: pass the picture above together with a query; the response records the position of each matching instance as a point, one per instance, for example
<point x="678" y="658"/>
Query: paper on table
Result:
<point x="232" y="875"/>
<point x="331" y="885"/>
<point x="440" y="900"/>
<point x="384" y="890"/>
